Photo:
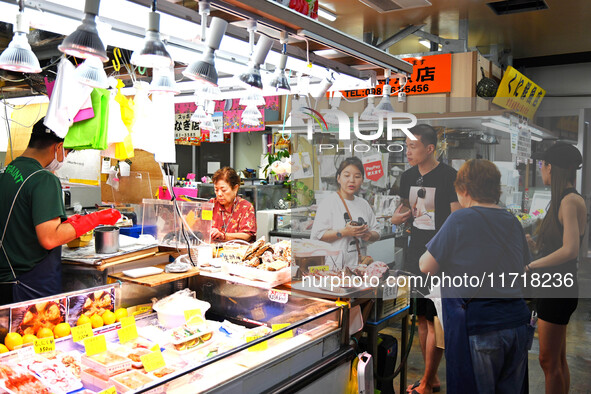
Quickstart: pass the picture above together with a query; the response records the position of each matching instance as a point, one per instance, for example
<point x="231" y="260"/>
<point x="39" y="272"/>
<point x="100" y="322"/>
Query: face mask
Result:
<point x="55" y="164"/>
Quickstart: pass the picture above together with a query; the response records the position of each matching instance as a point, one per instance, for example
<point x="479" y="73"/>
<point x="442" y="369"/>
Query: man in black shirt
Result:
<point x="428" y="198"/>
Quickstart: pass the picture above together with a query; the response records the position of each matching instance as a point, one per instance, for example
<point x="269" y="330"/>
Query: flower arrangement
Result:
<point x="279" y="165"/>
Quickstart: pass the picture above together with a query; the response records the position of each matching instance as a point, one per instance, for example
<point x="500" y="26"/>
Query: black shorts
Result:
<point x="556" y="310"/>
<point x="425" y="307"/>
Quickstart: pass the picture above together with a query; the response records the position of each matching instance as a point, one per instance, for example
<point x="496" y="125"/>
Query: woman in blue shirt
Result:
<point x="484" y="319"/>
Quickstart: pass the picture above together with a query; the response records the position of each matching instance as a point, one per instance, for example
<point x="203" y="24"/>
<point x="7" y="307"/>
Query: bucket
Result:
<point x="106" y="239"/>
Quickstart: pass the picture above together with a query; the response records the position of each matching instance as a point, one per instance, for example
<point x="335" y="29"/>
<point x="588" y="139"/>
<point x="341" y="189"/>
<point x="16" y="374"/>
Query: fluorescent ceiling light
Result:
<point x="427" y="43"/>
<point x="538" y="139"/>
<point x="326" y="14"/>
<point x="498" y="126"/>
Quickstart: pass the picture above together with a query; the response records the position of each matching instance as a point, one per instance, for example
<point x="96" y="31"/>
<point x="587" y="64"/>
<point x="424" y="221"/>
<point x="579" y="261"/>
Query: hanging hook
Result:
<point x="116" y="55"/>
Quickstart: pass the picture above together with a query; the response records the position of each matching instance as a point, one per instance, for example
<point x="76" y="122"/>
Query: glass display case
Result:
<point x="255" y="340"/>
<point x="262" y="197"/>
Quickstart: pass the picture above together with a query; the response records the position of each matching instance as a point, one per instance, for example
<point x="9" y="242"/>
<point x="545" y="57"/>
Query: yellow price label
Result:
<point x="258" y="347"/>
<point x="82" y="332"/>
<point x="110" y="390"/>
<point x="127" y="321"/>
<point x="277" y="327"/>
<point x="206" y="215"/>
<point x="192" y="312"/>
<point x="152" y="361"/>
<point x="142" y="309"/>
<point x="95" y="345"/>
<point x="127" y="333"/>
<point x="155" y="348"/>
<point x="316" y="268"/>
<point x="44" y="345"/>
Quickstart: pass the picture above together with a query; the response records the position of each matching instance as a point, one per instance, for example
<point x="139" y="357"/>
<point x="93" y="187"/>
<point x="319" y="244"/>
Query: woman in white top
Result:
<point x="345" y="226"/>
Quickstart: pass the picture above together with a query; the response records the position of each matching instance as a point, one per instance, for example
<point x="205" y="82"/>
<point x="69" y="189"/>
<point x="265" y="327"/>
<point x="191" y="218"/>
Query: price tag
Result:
<point x="277" y="327"/>
<point x="95" y="345"/>
<point x="110" y="390"/>
<point x="258" y="347"/>
<point x="192" y="312"/>
<point x="44" y="345"/>
<point x="152" y="361"/>
<point x="127" y="333"/>
<point x="155" y="348"/>
<point x="26" y="353"/>
<point x="278" y="296"/>
<point x="142" y="309"/>
<point x="82" y="332"/>
<point x="316" y="268"/>
<point x="390" y="292"/>
<point x="127" y="321"/>
<point x="206" y="215"/>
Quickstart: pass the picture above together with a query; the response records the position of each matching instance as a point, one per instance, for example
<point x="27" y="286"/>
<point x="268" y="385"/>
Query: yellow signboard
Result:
<point x="519" y="94"/>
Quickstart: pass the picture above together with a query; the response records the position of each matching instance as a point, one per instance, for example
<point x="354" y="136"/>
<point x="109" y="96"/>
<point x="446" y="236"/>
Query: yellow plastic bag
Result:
<point x="352" y="386"/>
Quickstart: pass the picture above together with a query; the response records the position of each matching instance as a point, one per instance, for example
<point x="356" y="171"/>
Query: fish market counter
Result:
<point x="230" y="338"/>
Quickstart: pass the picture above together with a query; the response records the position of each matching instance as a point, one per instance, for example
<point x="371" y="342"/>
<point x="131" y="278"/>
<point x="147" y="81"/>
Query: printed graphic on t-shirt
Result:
<point x="422" y="202"/>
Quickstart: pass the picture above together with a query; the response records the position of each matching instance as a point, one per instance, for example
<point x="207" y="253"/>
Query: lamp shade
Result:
<point x="204" y="68"/>
<point x="384" y="107"/>
<point x="368" y="112"/>
<point x="92" y="73"/>
<point x="153" y="53"/>
<point x="163" y="81"/>
<point x="252" y="77"/>
<point x="85" y="42"/>
<point x="280" y="81"/>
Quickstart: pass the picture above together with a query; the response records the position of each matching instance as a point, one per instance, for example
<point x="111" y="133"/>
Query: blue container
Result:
<point x="136" y="231"/>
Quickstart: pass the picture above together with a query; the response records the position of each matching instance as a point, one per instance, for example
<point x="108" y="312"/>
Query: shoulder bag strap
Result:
<point x="8" y="219"/>
<point x="356" y="240"/>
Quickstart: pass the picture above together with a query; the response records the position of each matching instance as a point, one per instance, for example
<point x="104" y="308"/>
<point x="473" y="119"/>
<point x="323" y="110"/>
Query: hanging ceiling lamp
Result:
<point x="368" y="112"/>
<point x="204" y="69"/>
<point x="153" y="54"/>
<point x="85" y="42"/>
<point x="92" y="73"/>
<point x="280" y="81"/>
<point x="19" y="56"/>
<point x="199" y="115"/>
<point x="326" y="84"/>
<point x="331" y="116"/>
<point x="252" y="77"/>
<point x="163" y="81"/>
<point x="384" y="107"/>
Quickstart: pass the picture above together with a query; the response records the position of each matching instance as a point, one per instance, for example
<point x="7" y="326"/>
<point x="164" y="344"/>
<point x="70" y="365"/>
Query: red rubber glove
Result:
<point x="83" y="224"/>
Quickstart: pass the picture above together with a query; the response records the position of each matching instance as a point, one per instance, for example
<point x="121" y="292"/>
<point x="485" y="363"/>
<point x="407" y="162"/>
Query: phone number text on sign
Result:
<point x="431" y="74"/>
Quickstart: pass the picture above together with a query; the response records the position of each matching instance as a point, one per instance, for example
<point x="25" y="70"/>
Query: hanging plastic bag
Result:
<point x="352" y="385"/>
<point x="91" y="133"/>
<point x="67" y="97"/>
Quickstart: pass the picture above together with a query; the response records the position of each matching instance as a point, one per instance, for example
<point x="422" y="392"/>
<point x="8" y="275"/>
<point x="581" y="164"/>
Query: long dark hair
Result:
<point x="550" y="230"/>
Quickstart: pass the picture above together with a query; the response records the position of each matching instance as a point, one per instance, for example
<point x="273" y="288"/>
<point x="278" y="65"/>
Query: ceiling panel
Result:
<point x="563" y="28"/>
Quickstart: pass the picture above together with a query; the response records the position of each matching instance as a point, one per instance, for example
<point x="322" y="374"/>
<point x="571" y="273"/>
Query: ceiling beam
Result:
<point x="402" y="34"/>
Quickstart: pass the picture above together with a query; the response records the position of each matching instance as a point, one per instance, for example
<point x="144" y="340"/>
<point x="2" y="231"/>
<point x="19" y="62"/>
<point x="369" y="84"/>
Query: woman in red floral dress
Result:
<point x="233" y="216"/>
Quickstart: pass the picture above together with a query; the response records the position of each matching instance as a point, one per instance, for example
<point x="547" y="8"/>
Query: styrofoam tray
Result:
<point x="140" y="272"/>
<point x="276" y="277"/>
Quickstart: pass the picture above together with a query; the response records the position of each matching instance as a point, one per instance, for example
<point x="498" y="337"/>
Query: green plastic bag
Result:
<point x="91" y="133"/>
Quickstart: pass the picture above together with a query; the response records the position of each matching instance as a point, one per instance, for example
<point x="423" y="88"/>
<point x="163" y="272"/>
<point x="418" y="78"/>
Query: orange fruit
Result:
<point x="29" y="338"/>
<point x="96" y="321"/>
<point x="3" y="349"/>
<point x="83" y="319"/>
<point x="61" y="330"/>
<point x="119" y="313"/>
<point x="13" y="340"/>
<point x="45" y="333"/>
<point x="108" y="317"/>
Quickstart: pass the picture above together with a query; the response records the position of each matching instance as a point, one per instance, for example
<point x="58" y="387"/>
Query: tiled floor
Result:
<point x="578" y="348"/>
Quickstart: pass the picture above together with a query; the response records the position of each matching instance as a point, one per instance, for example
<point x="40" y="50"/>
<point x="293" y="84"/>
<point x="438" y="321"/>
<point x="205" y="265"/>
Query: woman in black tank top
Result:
<point x="559" y="238"/>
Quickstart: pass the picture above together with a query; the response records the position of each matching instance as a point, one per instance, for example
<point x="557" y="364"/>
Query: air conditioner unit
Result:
<point x="395" y="5"/>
